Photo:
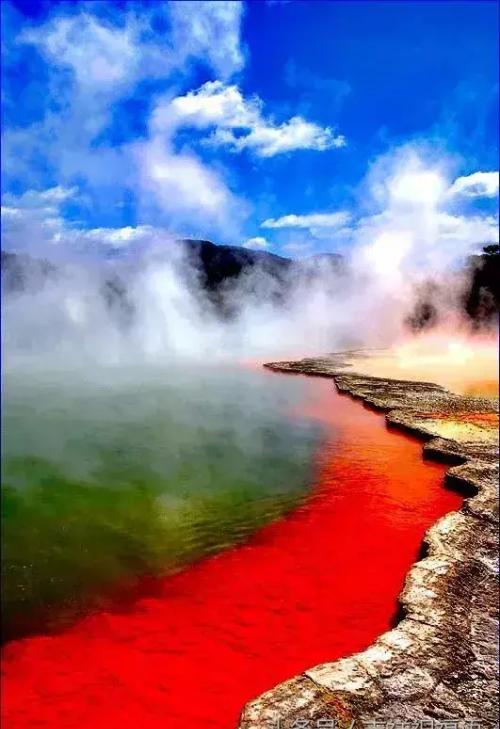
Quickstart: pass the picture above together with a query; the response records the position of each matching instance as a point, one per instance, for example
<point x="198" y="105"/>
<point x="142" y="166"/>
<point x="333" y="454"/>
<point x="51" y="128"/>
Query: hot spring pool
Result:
<point x="172" y="473"/>
<point x="109" y="478"/>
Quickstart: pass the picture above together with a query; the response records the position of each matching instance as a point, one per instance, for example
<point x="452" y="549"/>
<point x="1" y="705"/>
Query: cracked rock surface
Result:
<point x="441" y="660"/>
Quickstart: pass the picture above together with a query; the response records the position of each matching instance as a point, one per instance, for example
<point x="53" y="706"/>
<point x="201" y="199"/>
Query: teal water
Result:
<point x="114" y="476"/>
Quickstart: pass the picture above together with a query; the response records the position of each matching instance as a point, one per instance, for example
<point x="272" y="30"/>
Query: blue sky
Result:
<point x="294" y="127"/>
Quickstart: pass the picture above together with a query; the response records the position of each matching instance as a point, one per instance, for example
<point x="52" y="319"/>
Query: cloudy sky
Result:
<point x="293" y="127"/>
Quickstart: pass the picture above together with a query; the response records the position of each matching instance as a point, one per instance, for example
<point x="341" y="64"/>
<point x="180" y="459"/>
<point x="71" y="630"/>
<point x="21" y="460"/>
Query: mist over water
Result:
<point x="165" y="313"/>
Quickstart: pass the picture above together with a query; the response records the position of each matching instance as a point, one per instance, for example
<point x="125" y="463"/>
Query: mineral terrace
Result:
<point x="440" y="661"/>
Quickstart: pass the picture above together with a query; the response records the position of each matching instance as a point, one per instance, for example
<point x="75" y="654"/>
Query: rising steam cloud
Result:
<point x="406" y="235"/>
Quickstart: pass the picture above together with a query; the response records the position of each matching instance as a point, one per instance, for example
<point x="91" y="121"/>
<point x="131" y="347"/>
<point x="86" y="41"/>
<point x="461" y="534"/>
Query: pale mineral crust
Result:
<point x="440" y="662"/>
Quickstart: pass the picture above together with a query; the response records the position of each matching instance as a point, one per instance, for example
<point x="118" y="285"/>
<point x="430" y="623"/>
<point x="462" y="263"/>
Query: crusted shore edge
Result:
<point x="440" y="662"/>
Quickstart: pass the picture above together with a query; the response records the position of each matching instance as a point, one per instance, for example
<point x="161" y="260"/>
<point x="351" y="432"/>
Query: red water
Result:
<point x="317" y="586"/>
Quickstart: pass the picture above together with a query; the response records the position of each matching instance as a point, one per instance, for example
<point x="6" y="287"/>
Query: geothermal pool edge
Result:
<point x="440" y="662"/>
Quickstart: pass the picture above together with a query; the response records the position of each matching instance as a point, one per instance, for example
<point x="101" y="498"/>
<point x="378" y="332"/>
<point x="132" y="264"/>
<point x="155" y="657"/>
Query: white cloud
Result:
<point x="312" y="220"/>
<point x="183" y="187"/>
<point x="257" y="243"/>
<point x="213" y="104"/>
<point x="478" y="184"/>
<point x="35" y="222"/>
<point x="100" y="56"/>
<point x="238" y="123"/>
<point x="34" y="218"/>
<point x="45" y="200"/>
<point x="210" y="30"/>
<point x="93" y="63"/>
<point x="297" y="133"/>
<point x="115" y="238"/>
<point x="108" y="58"/>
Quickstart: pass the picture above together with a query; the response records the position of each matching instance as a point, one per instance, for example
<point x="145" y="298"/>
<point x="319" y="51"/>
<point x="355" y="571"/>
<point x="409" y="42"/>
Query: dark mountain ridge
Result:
<point x="478" y="299"/>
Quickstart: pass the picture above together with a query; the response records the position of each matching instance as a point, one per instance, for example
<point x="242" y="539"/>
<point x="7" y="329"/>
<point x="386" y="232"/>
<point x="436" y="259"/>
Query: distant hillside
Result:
<point x="479" y="297"/>
<point x="219" y="263"/>
<point x="482" y="298"/>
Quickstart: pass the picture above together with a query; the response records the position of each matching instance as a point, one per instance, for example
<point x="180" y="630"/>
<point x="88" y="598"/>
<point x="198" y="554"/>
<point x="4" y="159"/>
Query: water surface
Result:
<point x="317" y="585"/>
<point x="110" y="476"/>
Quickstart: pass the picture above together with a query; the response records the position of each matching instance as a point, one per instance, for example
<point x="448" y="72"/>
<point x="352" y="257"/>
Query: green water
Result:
<point x="131" y="474"/>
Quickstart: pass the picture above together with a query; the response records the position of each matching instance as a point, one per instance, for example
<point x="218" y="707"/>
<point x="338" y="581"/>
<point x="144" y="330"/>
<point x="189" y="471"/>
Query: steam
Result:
<point x="67" y="320"/>
<point x="405" y="245"/>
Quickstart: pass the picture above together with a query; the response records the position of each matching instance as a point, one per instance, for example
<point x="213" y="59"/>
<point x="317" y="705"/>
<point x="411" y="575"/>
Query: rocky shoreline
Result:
<point x="440" y="662"/>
